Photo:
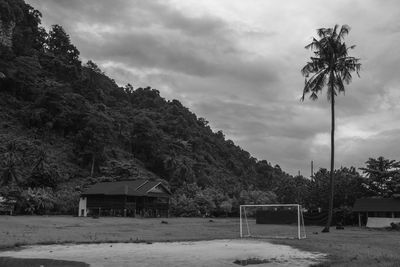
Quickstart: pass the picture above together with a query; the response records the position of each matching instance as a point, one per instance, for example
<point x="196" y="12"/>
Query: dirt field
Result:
<point x="215" y="253"/>
<point x="349" y="247"/>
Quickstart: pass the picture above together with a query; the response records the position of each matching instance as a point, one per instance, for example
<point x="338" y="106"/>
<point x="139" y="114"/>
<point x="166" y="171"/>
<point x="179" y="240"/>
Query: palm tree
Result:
<point x="9" y="174"/>
<point x="332" y="67"/>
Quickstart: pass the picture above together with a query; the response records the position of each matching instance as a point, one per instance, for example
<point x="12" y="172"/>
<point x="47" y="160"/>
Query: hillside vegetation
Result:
<point x="64" y="125"/>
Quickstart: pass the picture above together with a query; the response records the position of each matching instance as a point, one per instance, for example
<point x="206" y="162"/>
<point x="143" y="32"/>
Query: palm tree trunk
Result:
<point x="92" y="169"/>
<point x="331" y="182"/>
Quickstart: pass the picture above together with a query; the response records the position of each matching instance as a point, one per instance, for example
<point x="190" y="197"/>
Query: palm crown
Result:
<point x="331" y="64"/>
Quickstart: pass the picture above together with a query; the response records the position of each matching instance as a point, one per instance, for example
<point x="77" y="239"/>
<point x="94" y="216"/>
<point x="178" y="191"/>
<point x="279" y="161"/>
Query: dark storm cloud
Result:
<point x="256" y="124"/>
<point x="151" y="34"/>
<point x="171" y="52"/>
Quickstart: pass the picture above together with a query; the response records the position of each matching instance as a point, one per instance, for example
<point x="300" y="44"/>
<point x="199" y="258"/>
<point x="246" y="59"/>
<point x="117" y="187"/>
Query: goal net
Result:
<point x="272" y="221"/>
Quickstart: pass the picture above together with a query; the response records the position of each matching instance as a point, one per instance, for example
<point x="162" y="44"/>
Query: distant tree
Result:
<point x="293" y="190"/>
<point x="253" y="196"/>
<point x="146" y="139"/>
<point x="42" y="174"/>
<point x="41" y="39"/>
<point x="129" y="88"/>
<point x="90" y="142"/>
<point x="330" y="66"/>
<point x="203" y="122"/>
<point x="37" y="200"/>
<point x="383" y="176"/>
<point x="93" y="67"/>
<point x="226" y="206"/>
<point x="348" y="187"/>
<point x="220" y="135"/>
<point x="66" y="200"/>
<point x="38" y="34"/>
<point x="26" y="20"/>
<point x="59" y="43"/>
<point x="205" y="202"/>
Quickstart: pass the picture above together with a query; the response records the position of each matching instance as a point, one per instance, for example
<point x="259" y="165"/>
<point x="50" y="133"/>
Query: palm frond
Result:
<point x="343" y="31"/>
<point x="339" y="83"/>
<point x="313" y="96"/>
<point x="315" y="84"/>
<point x="351" y="47"/>
<point x="334" y="34"/>
<point x="314" y="45"/>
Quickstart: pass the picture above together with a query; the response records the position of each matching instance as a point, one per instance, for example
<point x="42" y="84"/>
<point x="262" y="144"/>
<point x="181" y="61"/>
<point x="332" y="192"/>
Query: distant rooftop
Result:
<point x="139" y="187"/>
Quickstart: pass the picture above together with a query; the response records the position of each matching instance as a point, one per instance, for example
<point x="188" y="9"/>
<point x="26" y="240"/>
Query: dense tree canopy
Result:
<point x="383" y="177"/>
<point x="58" y="42"/>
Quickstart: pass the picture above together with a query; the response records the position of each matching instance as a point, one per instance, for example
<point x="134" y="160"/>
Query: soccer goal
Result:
<point x="272" y="221"/>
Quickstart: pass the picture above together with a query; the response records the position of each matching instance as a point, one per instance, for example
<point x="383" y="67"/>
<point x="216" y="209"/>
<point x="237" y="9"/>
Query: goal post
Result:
<point x="272" y="221"/>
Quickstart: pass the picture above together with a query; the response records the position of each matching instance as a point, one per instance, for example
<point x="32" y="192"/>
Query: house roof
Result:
<point x="377" y="204"/>
<point x="128" y="188"/>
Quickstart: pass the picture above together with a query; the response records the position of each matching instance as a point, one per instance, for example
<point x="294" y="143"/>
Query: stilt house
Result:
<point x="133" y="198"/>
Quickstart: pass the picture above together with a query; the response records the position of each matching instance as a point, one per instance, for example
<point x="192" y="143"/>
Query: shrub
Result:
<point x="66" y="201"/>
<point x="37" y="200"/>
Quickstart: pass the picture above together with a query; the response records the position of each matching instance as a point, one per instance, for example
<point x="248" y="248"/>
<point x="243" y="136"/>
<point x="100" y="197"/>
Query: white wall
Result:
<point x="379" y="222"/>
<point x="82" y="206"/>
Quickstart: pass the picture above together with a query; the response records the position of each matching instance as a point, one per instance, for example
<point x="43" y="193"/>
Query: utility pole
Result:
<point x="312" y="170"/>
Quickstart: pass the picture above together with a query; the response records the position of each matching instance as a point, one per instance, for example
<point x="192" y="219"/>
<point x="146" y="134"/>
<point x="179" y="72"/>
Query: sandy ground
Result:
<point x="178" y="254"/>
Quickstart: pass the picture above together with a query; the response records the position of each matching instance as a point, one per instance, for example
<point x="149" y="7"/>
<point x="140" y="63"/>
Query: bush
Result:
<point x="66" y="201"/>
<point x="184" y="206"/>
<point x="37" y="200"/>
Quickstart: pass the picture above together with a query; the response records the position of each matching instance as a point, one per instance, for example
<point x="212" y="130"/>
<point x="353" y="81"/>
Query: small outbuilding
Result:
<point x="377" y="212"/>
<point x="6" y="206"/>
<point x="132" y="198"/>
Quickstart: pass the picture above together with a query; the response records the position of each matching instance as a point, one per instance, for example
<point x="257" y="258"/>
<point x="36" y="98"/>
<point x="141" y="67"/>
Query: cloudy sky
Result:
<point x="237" y="63"/>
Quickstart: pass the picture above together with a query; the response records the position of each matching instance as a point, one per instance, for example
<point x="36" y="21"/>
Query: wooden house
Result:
<point x="133" y="198"/>
<point x="377" y="212"/>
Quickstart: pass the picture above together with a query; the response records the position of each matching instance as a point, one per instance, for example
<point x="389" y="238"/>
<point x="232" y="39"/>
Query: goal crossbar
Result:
<point x="272" y="205"/>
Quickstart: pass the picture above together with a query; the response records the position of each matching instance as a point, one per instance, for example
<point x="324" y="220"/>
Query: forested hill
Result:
<point x="64" y="125"/>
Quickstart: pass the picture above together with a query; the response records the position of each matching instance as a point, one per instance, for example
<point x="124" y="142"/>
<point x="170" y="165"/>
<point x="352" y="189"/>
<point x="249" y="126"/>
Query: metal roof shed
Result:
<point x="390" y="207"/>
